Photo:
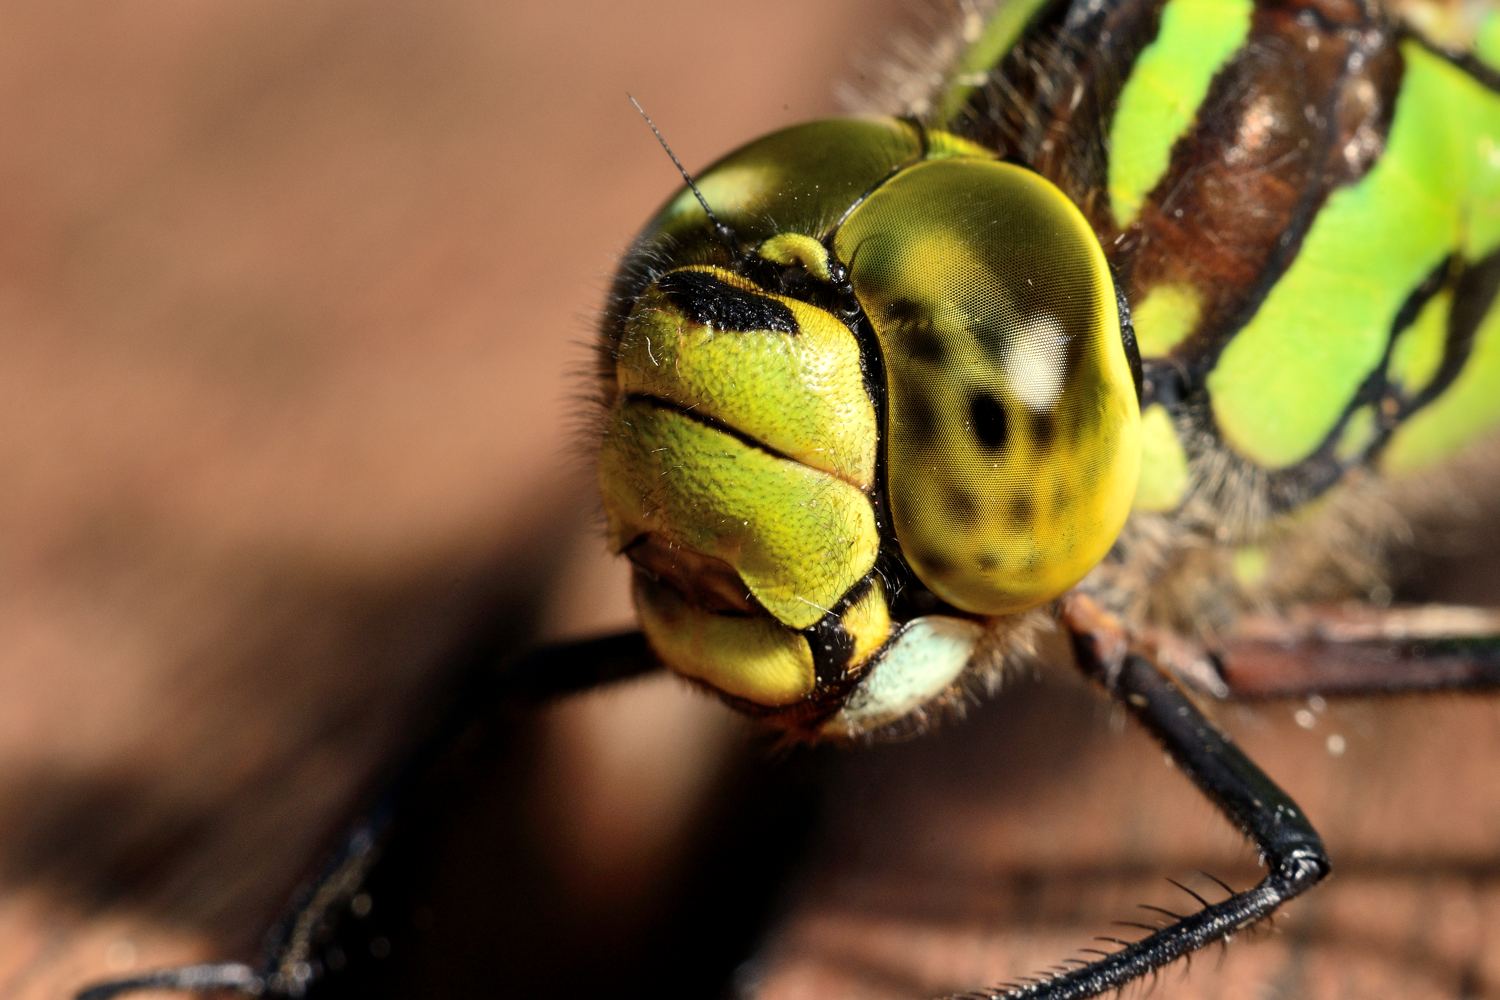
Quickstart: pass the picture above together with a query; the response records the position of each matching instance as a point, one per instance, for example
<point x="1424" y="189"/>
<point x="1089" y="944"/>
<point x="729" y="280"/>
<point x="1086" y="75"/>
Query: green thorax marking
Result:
<point x="987" y="40"/>
<point x="1165" y="88"/>
<point x="1419" y="349"/>
<point x="1165" y="317"/>
<point x="1165" y="478"/>
<point x="1466" y="409"/>
<point x="1324" y="326"/>
<point x="1487" y="45"/>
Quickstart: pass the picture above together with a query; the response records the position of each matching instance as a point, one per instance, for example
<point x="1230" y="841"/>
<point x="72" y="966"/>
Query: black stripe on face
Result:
<point x="713" y="303"/>
<point x="713" y="423"/>
<point x="831" y="644"/>
<point x="1043" y="427"/>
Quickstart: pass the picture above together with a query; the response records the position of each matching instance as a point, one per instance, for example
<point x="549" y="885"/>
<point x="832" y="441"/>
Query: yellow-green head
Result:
<point x="897" y="399"/>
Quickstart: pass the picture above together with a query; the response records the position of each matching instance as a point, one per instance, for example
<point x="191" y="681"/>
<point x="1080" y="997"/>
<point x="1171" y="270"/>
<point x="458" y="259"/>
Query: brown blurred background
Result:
<point x="294" y="311"/>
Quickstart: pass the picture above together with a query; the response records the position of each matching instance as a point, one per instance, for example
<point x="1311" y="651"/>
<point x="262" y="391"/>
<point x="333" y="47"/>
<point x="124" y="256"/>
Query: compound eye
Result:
<point x="1012" y="426"/>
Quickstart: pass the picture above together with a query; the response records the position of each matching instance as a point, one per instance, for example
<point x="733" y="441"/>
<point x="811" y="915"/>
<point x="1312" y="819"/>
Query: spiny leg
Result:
<point x="1288" y="844"/>
<point x="289" y="965"/>
<point x="1330" y="651"/>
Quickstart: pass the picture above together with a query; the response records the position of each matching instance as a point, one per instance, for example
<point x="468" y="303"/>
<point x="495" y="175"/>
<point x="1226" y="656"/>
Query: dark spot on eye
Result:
<point x="1042" y="428"/>
<point x="920" y="422"/>
<point x="987" y="418"/>
<point x="1086" y="417"/>
<point x="1062" y="499"/>
<point x="710" y="302"/>
<point x="1074" y="354"/>
<point x="903" y="311"/>
<point x="1075" y="428"/>
<point x="988" y="561"/>
<point x="991" y="340"/>
<point x="962" y="504"/>
<point x="922" y="344"/>
<point x="1022" y="508"/>
<point x="911" y="324"/>
<point x="934" y="563"/>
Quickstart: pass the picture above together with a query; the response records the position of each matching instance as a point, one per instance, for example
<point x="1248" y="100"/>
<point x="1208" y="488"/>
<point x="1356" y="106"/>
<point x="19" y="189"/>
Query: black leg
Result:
<point x="1289" y="846"/>
<point x="574" y="667"/>
<point x="290" y="964"/>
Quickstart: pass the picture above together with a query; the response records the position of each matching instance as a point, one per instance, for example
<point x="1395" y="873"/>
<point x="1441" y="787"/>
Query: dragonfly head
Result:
<point x="899" y="403"/>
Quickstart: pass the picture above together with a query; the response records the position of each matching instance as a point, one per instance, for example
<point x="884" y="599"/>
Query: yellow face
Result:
<point x="917" y="387"/>
<point x="738" y="468"/>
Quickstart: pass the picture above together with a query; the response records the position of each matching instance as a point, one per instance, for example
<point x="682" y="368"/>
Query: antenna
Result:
<point x="725" y="233"/>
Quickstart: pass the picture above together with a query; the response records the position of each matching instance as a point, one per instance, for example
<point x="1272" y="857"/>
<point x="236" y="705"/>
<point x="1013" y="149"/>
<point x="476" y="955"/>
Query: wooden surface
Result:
<point x="295" y="301"/>
<point x="1000" y="850"/>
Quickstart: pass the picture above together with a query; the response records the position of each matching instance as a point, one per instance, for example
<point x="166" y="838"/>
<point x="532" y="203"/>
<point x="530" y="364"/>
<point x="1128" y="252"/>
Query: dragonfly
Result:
<point x="1152" y="326"/>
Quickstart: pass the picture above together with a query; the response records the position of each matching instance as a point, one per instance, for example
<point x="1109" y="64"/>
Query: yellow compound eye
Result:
<point x="1012" y="425"/>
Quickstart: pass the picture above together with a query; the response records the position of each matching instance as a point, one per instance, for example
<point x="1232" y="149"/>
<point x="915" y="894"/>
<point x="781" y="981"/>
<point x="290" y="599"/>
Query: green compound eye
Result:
<point x="1013" y="427"/>
<point x="760" y="447"/>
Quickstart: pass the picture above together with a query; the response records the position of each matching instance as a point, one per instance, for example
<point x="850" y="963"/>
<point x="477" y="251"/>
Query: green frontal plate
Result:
<point x="799" y="538"/>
